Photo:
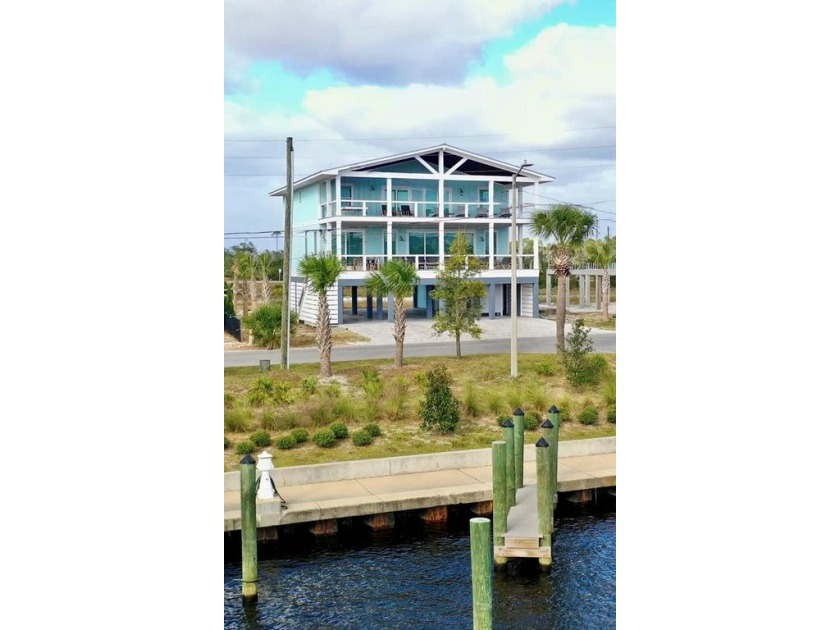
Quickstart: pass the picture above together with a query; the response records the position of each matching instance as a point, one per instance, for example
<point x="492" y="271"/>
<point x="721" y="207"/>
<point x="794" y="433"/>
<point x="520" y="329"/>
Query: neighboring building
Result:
<point x="412" y="206"/>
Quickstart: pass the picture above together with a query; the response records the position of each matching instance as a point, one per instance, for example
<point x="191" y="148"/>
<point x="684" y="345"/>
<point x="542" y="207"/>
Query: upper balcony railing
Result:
<point x="591" y="265"/>
<point x="417" y="209"/>
<point x="356" y="262"/>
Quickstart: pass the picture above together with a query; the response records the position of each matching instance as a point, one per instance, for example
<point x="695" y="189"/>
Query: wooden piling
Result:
<point x="510" y="467"/>
<point x="554" y="444"/>
<point x="518" y="443"/>
<point x="545" y="498"/>
<point x="248" y="508"/>
<point x="482" y="573"/>
<point x="500" y="506"/>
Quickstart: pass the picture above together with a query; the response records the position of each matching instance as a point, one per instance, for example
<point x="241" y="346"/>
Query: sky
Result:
<point x="349" y="81"/>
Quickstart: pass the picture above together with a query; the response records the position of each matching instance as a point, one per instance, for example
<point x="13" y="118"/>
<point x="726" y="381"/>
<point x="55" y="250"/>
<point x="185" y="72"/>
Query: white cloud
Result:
<point x="561" y="95"/>
<point x="392" y="43"/>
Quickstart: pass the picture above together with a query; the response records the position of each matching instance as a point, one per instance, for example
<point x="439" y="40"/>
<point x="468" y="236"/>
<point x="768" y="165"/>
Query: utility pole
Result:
<point x="285" y="328"/>
<point x="514" y="349"/>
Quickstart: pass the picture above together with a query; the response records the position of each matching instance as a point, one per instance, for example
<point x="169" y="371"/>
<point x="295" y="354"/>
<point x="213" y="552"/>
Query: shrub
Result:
<point x="611" y="413"/>
<point x="439" y="409"/>
<point x="471" y="402"/>
<point x="230" y="401"/>
<point x="339" y="430"/>
<point x="283" y="393"/>
<point x="532" y="420"/>
<point x="588" y="416"/>
<point x="309" y="384"/>
<point x="227" y="442"/>
<point x="501" y="419"/>
<point x="371" y="410"/>
<point x="264" y="324"/>
<point x="362" y="438"/>
<point x="345" y="409"/>
<point x="514" y="396"/>
<point x="243" y="448"/>
<point x="495" y="404"/>
<point x="268" y="420"/>
<point x="256" y="397"/>
<point x="373" y="429"/>
<point x="608" y="390"/>
<point x="261" y="438"/>
<point x="536" y="396"/>
<point x="546" y="368"/>
<point x="324" y="438"/>
<point x="396" y="400"/>
<point x="286" y="442"/>
<point x="229" y="309"/>
<point x="574" y="359"/>
<point x="300" y="435"/>
<point x="238" y="420"/>
<point x="287" y="420"/>
<point x="371" y="383"/>
<point x="422" y="380"/>
<point x="565" y="408"/>
<point x="334" y="390"/>
<point x="321" y="416"/>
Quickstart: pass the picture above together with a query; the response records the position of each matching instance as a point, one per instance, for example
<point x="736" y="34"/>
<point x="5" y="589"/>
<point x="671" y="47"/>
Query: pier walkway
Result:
<point x="324" y="492"/>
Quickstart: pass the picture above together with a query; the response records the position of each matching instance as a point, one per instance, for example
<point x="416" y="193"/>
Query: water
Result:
<point x="419" y="577"/>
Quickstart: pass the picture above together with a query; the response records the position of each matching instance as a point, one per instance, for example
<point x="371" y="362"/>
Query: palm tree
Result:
<point x="397" y="278"/>
<point x="242" y="268"/>
<point x="568" y="225"/>
<point x="322" y="271"/>
<point x="602" y="253"/>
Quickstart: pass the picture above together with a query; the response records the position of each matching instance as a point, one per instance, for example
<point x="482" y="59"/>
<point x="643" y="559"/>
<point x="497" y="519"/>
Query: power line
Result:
<point x="476" y="135"/>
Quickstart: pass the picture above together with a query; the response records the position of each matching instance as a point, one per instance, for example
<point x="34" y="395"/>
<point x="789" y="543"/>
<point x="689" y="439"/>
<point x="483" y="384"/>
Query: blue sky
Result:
<point x="529" y="80"/>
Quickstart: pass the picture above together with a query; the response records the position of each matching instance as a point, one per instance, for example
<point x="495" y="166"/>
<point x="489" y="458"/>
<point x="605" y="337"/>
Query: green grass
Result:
<point x="489" y="376"/>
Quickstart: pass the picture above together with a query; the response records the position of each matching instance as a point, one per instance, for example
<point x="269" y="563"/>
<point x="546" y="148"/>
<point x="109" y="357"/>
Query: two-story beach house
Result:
<point x="412" y="206"/>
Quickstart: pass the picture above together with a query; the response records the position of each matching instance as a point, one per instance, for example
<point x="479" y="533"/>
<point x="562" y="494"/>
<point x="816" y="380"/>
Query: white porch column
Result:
<point x="338" y="196"/>
<point x="491" y="245"/>
<point x="338" y="251"/>
<point x="537" y="254"/>
<point x="440" y="187"/>
<point x="440" y="244"/>
<point x="329" y="198"/>
<point x="388" y="240"/>
<point x="388" y="194"/>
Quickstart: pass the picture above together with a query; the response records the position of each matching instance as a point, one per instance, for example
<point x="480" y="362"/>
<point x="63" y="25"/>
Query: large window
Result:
<point x="426" y="243"/>
<point x="423" y="243"/>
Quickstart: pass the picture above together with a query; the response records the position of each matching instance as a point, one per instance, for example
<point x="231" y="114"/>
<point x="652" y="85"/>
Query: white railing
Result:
<point x="416" y="209"/>
<point x="373" y="262"/>
<point x="591" y="265"/>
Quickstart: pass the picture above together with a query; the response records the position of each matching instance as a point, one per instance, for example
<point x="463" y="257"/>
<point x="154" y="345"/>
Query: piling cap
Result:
<point x="541" y="442"/>
<point x="554" y="409"/>
<point x="547" y="424"/>
<point x="518" y="412"/>
<point x="507" y="424"/>
<point x="247" y="459"/>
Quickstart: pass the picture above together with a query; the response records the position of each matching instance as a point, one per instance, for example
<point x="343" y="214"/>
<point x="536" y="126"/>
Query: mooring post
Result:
<point x="545" y="500"/>
<point x="518" y="443"/>
<point x="482" y="573"/>
<point x="554" y="416"/>
<point x="248" y="508"/>
<point x="500" y="495"/>
<point x="510" y="468"/>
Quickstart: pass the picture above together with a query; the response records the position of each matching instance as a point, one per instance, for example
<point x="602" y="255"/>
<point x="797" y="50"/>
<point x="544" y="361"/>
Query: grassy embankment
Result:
<point x="482" y="383"/>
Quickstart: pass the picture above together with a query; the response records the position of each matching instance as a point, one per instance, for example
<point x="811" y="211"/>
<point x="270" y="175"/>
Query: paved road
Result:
<point x="604" y="342"/>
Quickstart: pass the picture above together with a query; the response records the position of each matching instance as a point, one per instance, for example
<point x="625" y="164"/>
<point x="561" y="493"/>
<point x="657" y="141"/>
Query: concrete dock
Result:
<point x="325" y="492"/>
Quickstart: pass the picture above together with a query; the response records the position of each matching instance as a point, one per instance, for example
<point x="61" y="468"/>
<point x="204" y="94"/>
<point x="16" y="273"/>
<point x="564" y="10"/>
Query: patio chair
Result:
<point x="405" y="210"/>
<point x="384" y="209"/>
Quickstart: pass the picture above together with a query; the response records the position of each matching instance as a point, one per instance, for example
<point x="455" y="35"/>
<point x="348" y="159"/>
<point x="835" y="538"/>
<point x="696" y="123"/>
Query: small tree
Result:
<point x="461" y="296"/>
<point x="264" y="322"/>
<point x="440" y="410"/>
<point x="321" y="272"/>
<point x="575" y="359"/>
<point x="602" y="253"/>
